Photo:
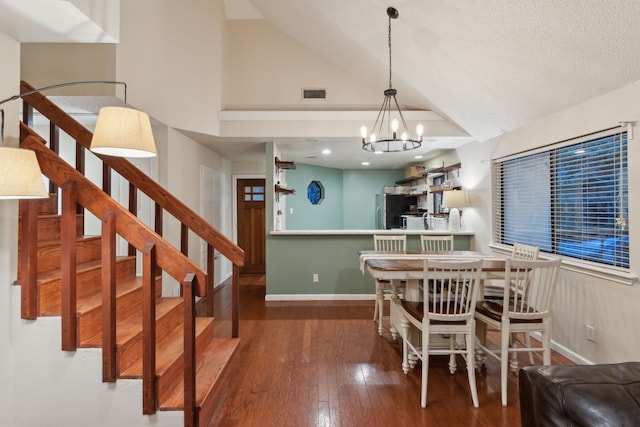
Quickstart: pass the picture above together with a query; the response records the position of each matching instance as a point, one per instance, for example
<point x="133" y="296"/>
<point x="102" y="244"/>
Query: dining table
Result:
<point x="408" y="266"/>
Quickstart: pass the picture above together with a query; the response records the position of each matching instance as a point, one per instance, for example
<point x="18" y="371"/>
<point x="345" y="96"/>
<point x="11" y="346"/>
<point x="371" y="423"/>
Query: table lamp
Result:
<point x="453" y="200"/>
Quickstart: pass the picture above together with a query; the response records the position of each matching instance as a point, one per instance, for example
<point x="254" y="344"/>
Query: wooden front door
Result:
<point x="251" y="224"/>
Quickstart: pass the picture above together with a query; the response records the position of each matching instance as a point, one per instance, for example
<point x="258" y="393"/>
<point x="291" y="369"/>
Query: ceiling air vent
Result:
<point x="314" y="93"/>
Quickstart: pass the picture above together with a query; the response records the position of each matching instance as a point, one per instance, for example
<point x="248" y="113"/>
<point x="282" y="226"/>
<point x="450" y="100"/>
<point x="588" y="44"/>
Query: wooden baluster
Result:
<point x="28" y="259"/>
<point x="211" y="256"/>
<point x="109" y="297"/>
<point x="54" y="145"/>
<point x="27" y="114"/>
<point x="158" y="219"/>
<point x="133" y="208"/>
<point x="190" y="414"/>
<point x="80" y="167"/>
<point x="158" y="227"/>
<point x="106" y="178"/>
<point x="68" y="272"/>
<point x="149" y="264"/>
<point x="235" y="300"/>
<point x="184" y="239"/>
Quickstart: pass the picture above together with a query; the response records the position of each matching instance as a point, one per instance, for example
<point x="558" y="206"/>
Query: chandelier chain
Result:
<point x="389" y="42"/>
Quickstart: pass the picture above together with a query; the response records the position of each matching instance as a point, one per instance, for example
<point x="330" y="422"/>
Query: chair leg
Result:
<point x="527" y="342"/>
<point x="452" y="357"/>
<point x="471" y="372"/>
<point x="405" y="346"/>
<point x="546" y="342"/>
<point x="380" y="307"/>
<point x="425" y="366"/>
<point x="504" y="363"/>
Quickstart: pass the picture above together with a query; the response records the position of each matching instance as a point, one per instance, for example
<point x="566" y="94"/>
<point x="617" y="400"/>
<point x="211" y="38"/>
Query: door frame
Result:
<point x="234" y="194"/>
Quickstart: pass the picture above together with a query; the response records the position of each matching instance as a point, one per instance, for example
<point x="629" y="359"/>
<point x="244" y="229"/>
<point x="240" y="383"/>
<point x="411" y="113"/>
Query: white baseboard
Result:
<point x="319" y="297"/>
<point x="569" y="354"/>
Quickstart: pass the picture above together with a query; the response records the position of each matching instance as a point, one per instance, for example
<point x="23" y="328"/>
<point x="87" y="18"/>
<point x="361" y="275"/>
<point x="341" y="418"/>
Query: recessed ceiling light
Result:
<point x="311" y="156"/>
<point x="326" y="151"/>
<point x="417" y="157"/>
<point x="377" y="152"/>
<point x="365" y="163"/>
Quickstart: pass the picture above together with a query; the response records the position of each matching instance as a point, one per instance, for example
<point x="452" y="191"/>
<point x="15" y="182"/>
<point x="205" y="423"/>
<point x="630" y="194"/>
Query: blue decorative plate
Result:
<point x="315" y="192"/>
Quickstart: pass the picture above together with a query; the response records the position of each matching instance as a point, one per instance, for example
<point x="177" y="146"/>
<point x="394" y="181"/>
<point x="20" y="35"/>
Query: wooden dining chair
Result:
<point x="386" y="289"/>
<point x="430" y="243"/>
<point x="525" y="307"/>
<point x="448" y="310"/>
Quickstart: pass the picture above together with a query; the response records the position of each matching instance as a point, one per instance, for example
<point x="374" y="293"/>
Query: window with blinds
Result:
<point x="569" y="199"/>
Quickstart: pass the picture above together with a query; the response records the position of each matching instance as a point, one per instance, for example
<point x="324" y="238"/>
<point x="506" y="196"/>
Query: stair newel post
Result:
<point x="28" y="259"/>
<point x="235" y="300"/>
<point x="133" y="208"/>
<point x="68" y="273"/>
<point x="188" y="286"/>
<point x="211" y="256"/>
<point x="109" y="297"/>
<point x="149" y="389"/>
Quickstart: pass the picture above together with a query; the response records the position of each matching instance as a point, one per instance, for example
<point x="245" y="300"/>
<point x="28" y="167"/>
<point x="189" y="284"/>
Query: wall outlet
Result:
<point x="591" y="333"/>
<point x="315" y="278"/>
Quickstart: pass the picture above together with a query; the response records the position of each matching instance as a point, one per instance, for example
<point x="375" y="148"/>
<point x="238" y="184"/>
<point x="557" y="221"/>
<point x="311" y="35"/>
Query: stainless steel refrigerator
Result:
<point x="389" y="208"/>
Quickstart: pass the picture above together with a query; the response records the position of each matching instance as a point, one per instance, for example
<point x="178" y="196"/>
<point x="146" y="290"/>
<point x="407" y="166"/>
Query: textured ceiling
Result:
<point x="488" y="66"/>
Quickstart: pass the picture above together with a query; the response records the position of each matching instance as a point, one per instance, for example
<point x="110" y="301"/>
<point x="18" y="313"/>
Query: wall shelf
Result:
<point x="283" y="191"/>
<point x="281" y="164"/>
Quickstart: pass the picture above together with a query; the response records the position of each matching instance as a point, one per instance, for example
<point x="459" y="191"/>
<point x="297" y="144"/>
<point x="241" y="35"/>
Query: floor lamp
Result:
<point x="120" y="131"/>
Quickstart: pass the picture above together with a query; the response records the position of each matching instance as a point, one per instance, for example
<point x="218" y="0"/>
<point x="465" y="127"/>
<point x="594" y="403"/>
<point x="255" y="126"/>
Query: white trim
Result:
<point x="611" y="274"/>
<point x="569" y="354"/>
<point x="320" y="297"/>
<point x="323" y="115"/>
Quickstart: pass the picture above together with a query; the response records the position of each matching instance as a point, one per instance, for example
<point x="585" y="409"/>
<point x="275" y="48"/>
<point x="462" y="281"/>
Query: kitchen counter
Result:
<point x="324" y="264"/>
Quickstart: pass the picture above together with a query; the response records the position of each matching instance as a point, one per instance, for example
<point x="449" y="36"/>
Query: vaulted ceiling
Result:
<point x="489" y="67"/>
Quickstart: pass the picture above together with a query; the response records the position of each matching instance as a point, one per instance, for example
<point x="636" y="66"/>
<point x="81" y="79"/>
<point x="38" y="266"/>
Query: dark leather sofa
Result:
<point x="581" y="395"/>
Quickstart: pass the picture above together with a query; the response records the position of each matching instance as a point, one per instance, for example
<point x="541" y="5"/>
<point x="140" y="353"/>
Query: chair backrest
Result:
<point x="529" y="287"/>
<point x="436" y="243"/>
<point x="452" y="289"/>
<point x="388" y="242"/>
<point x="525" y="252"/>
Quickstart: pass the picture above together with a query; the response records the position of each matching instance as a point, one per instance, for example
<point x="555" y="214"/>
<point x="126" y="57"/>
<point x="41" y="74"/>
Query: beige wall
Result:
<point x="171" y="57"/>
<point x="267" y="68"/>
<point x="44" y="64"/>
<point x="584" y="296"/>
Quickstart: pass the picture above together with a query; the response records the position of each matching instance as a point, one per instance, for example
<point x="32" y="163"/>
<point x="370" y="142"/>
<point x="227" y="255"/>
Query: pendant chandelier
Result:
<point x="390" y="122"/>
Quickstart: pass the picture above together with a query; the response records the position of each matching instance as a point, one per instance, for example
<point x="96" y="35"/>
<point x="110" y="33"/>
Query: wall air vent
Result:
<point x="314" y="93"/>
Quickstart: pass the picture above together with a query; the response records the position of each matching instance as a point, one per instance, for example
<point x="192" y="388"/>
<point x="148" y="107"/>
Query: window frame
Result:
<point x="499" y="176"/>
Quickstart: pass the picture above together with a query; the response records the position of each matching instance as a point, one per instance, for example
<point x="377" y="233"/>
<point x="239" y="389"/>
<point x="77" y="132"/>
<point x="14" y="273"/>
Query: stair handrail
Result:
<point x="130" y="227"/>
<point x="143" y="182"/>
<point x="163" y="254"/>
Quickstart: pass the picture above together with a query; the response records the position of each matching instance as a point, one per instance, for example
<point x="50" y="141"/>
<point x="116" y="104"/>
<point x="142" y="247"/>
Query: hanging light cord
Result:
<point x="42" y="89"/>
<point x="389" y="41"/>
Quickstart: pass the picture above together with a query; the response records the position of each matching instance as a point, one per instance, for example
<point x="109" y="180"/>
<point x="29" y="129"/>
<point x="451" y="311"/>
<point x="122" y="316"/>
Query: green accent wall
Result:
<point x="349" y="197"/>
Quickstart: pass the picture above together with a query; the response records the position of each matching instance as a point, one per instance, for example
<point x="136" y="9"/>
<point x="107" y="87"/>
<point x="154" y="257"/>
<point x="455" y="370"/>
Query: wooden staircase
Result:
<point x="102" y="303"/>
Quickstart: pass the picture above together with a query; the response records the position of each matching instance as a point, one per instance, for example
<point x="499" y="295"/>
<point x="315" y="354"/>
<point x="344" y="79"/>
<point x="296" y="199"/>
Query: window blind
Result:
<point x="569" y="199"/>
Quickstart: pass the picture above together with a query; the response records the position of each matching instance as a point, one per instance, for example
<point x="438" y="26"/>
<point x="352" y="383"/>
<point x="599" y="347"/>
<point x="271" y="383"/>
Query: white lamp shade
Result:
<point x="454" y="199"/>
<point x="123" y="132"/>
<point x="20" y="175"/>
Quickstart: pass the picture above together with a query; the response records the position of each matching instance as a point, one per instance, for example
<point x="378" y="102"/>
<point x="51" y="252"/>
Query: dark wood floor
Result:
<point x="324" y="364"/>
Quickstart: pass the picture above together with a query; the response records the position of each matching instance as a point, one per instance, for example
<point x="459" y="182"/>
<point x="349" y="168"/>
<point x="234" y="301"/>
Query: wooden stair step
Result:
<point x="88" y="281"/>
<point x="171" y="347"/>
<point x="212" y="365"/>
<point x="130" y="327"/>
<point x="49" y="227"/>
<point x="88" y="248"/>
